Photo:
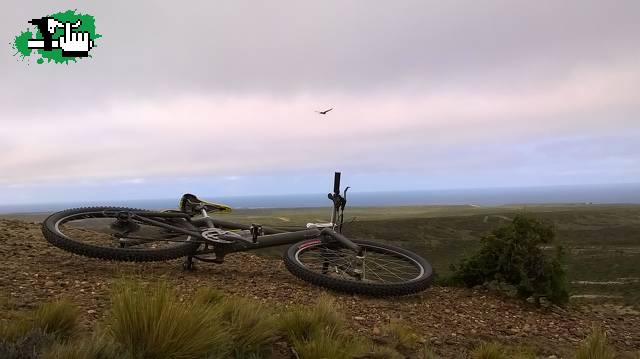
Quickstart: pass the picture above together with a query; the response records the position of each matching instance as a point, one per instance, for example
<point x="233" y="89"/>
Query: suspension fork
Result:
<point x="328" y="233"/>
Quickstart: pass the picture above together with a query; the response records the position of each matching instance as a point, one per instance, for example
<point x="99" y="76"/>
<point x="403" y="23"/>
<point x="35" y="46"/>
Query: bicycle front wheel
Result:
<point x="97" y="232"/>
<point x="384" y="270"/>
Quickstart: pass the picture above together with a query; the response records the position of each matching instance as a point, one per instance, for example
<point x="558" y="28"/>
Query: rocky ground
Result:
<point x="451" y="320"/>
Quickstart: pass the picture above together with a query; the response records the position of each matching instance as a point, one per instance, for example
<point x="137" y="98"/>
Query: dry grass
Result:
<point x="252" y="328"/>
<point x="327" y="343"/>
<point x="427" y="353"/>
<point x="490" y="350"/>
<point x="301" y="323"/>
<point x="319" y="332"/>
<point x="595" y="346"/>
<point x="26" y="346"/>
<point x="59" y="319"/>
<point x="400" y="335"/>
<point x="99" y="346"/>
<point x="208" y="296"/>
<point x="153" y="323"/>
<point x="383" y="352"/>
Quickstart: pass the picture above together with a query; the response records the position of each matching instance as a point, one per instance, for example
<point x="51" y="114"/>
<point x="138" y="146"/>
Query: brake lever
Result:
<point x="344" y="199"/>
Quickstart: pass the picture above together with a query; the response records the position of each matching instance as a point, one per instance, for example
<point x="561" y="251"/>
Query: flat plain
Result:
<point x="602" y="242"/>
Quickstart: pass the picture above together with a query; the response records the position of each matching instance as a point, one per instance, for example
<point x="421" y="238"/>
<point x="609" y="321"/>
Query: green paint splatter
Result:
<point x="20" y="44"/>
<point x="55" y="55"/>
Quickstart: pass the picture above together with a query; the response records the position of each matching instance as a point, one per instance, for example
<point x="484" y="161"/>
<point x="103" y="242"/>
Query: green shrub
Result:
<point x="595" y="346"/>
<point x="512" y="254"/>
<point x="153" y="323"/>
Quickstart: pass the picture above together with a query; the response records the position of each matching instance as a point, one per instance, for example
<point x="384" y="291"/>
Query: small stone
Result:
<point x="91" y="311"/>
<point x="358" y="318"/>
<point x="376" y="331"/>
<point x="49" y="283"/>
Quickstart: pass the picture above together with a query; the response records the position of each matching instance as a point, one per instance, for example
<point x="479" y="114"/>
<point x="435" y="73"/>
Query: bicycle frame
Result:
<point x="267" y="237"/>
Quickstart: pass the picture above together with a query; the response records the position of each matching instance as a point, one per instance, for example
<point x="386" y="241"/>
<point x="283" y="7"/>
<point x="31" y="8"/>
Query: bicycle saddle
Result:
<point x="189" y="203"/>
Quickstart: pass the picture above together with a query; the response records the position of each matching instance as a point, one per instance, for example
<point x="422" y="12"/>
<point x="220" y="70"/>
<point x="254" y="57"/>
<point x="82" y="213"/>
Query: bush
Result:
<point x="490" y="350"/>
<point x="512" y="254"/>
<point x="595" y="346"/>
<point x="153" y="323"/>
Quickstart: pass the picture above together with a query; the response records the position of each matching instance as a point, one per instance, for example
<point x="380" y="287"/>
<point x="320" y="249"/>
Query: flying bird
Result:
<point x="325" y="111"/>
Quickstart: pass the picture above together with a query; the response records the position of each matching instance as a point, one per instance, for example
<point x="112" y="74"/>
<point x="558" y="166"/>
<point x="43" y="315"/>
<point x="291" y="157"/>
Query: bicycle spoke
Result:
<point x="377" y="265"/>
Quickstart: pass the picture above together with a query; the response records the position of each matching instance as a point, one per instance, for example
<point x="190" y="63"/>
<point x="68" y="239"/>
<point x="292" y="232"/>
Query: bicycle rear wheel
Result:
<point x="385" y="270"/>
<point x="97" y="232"/>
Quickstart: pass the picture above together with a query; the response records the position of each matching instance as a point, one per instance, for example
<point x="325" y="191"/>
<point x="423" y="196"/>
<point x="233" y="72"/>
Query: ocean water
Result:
<point x="599" y="194"/>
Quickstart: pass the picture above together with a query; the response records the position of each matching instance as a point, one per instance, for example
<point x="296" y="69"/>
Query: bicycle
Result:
<point x="319" y="253"/>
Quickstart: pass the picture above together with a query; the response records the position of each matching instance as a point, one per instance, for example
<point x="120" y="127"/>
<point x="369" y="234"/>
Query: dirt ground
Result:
<point x="452" y="320"/>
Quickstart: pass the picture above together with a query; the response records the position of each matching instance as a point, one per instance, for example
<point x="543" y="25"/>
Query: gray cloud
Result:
<point x="156" y="47"/>
<point x="494" y="87"/>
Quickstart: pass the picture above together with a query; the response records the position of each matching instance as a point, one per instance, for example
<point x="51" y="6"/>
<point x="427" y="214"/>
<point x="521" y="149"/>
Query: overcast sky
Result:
<point x="218" y="97"/>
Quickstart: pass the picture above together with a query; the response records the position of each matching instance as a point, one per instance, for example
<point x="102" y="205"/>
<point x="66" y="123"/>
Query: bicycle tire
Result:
<point x="300" y="270"/>
<point x="52" y="234"/>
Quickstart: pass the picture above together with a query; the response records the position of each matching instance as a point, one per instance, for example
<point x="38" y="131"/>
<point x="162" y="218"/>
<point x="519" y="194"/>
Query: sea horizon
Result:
<point x="628" y="193"/>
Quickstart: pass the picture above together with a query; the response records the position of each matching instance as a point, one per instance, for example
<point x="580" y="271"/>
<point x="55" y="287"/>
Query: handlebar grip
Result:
<point x="336" y="183"/>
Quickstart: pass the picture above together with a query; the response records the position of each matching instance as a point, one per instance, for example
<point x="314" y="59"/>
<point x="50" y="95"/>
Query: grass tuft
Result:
<point x="209" y="296"/>
<point x="400" y="335"/>
<point x="153" y="323"/>
<point x="319" y="332"/>
<point x="59" y="319"/>
<point x="595" y="346"/>
<point x="251" y="326"/>
<point x="492" y="350"/>
<point x="327" y="343"/>
<point x="383" y="352"/>
<point x="99" y="346"/>
<point x="301" y="323"/>
<point x="26" y="346"/>
<point x="427" y="353"/>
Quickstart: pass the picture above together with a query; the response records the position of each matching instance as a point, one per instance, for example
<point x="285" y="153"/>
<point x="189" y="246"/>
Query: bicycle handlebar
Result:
<point x="336" y="183"/>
